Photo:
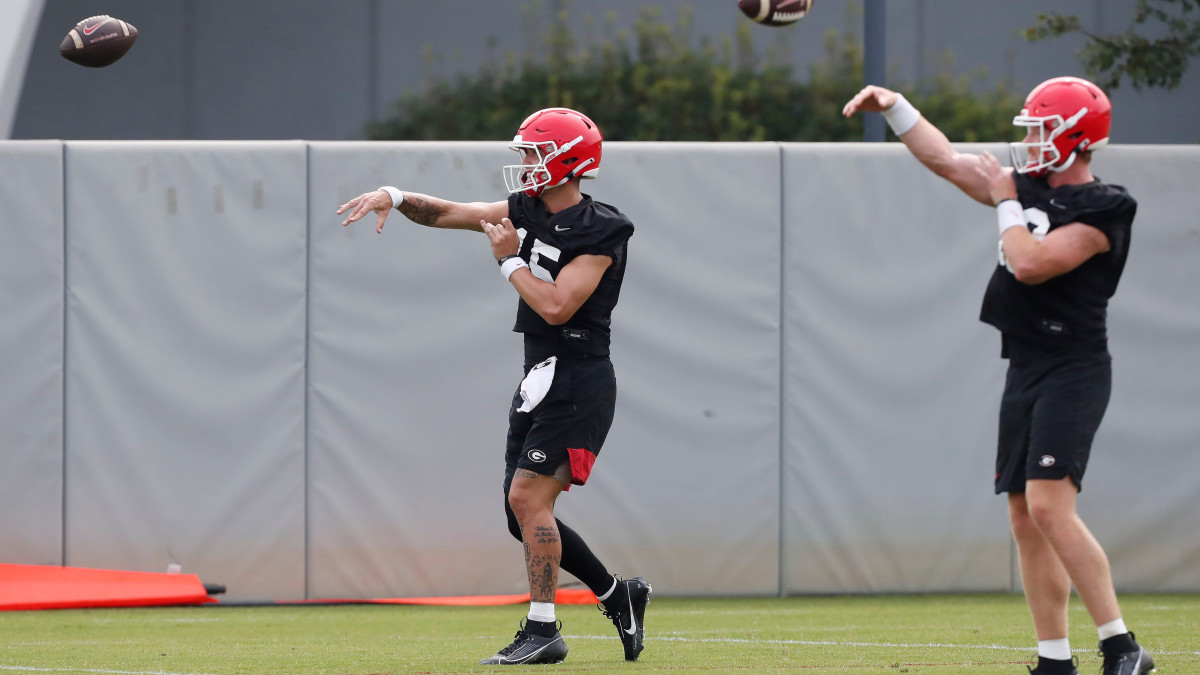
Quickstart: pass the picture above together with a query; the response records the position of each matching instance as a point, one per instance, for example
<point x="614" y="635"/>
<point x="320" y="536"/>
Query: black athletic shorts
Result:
<point x="1049" y="415"/>
<point x="568" y="425"/>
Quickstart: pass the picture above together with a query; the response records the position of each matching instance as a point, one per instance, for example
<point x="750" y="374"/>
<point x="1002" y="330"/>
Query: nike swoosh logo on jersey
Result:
<point x="1056" y="204"/>
<point x="632" y="619"/>
<point x="560" y="228"/>
<point x="89" y="31"/>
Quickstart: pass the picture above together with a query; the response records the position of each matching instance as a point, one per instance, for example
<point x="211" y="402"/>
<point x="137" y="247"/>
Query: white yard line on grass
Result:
<point x="817" y="643"/>
<point x="102" y="670"/>
<point x="846" y="643"/>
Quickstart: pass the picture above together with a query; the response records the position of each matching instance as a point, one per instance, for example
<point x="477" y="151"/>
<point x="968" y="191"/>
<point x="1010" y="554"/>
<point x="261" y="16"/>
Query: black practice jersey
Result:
<point x="1067" y="313"/>
<point x="551" y="240"/>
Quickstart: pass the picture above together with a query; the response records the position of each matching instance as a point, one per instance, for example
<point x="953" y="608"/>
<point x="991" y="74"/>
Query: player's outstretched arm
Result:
<point x="422" y="209"/>
<point x="926" y="142"/>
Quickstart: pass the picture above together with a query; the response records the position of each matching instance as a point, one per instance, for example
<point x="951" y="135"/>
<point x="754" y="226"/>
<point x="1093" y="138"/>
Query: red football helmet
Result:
<point x="567" y="146"/>
<point x="1070" y="115"/>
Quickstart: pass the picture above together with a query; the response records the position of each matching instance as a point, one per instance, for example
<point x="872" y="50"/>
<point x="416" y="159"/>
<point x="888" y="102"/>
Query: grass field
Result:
<point x="940" y="634"/>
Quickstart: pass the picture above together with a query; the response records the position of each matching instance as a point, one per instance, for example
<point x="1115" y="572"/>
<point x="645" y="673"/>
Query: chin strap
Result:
<point x="1065" y="165"/>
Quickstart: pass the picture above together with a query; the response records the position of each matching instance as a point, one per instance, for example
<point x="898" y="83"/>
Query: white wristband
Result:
<point x="902" y="116"/>
<point x="511" y="265"/>
<point x="396" y="195"/>
<point x="1010" y="214"/>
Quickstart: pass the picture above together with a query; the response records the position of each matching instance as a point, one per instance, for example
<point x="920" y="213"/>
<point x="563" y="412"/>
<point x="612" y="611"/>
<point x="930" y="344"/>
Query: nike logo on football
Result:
<point x="89" y="31"/>
<point x="560" y="228"/>
<point x="785" y="3"/>
<point x="632" y="620"/>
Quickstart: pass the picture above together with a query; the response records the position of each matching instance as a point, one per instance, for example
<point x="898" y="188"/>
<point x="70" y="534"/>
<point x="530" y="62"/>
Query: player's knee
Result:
<point x="1022" y="524"/>
<point x="520" y="504"/>
<point x="1018" y="508"/>
<point x="514" y="528"/>
<point x="529" y="505"/>
<point x="1024" y="529"/>
<point x="1047" y="517"/>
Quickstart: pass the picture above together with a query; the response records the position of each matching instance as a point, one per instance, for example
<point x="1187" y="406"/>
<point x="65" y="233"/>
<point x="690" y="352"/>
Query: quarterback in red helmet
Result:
<point x="1065" y="117"/>
<point x="1063" y="241"/>
<point x="557" y="145"/>
<point x="564" y="254"/>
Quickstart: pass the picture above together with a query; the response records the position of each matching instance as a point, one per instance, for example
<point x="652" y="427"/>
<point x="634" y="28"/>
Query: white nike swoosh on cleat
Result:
<point x="632" y="619"/>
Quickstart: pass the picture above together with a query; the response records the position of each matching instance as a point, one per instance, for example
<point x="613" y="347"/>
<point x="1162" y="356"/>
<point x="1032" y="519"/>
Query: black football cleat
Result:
<point x="629" y="619"/>
<point x="529" y="649"/>
<point x="1134" y="662"/>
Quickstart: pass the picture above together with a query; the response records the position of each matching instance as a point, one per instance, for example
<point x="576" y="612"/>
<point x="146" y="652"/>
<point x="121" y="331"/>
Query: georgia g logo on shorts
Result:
<point x="1046" y="460"/>
<point x="536" y="455"/>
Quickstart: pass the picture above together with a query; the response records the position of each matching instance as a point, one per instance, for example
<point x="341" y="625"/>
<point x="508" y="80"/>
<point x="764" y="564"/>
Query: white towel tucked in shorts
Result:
<point x="537" y="383"/>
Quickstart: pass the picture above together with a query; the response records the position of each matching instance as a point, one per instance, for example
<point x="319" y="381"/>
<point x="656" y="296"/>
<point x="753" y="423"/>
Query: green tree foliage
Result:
<point x="654" y="85"/>
<point x="1150" y="62"/>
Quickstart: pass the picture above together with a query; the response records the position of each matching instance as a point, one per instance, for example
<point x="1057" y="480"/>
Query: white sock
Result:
<point x="612" y="588"/>
<point x="541" y="611"/>
<point x="1059" y="649"/>
<point x="1112" y="628"/>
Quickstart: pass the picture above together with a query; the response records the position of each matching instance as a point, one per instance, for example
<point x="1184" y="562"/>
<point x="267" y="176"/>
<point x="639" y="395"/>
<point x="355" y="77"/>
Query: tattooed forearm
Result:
<point x="545" y="535"/>
<point x="420" y="209"/>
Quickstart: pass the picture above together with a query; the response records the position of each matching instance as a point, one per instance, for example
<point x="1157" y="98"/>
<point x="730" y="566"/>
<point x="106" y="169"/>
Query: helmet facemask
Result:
<point x="529" y="178"/>
<point x="1048" y="157"/>
<point x="533" y="179"/>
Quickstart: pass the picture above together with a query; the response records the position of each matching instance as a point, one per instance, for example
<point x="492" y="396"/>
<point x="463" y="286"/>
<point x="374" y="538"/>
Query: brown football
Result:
<point x="775" y="12"/>
<point x="98" y="41"/>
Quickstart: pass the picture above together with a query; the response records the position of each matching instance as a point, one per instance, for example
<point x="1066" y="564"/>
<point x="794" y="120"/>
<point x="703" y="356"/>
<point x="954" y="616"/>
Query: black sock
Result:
<point x="619" y="597"/>
<point x="1047" y="666"/>
<point x="1118" y="644"/>
<point x="541" y="628"/>
<point x="579" y="560"/>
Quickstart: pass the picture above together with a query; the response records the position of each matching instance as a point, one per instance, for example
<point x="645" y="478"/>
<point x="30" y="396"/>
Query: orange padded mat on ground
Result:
<point x="562" y="597"/>
<point x="44" y="587"/>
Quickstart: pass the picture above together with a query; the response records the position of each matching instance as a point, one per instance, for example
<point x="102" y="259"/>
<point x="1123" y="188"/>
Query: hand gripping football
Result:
<point x="98" y="41"/>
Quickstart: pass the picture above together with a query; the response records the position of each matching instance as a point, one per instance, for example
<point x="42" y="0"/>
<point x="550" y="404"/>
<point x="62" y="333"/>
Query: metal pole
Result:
<point x="874" y="64"/>
<point x="373" y="83"/>
<point x="189" y="69"/>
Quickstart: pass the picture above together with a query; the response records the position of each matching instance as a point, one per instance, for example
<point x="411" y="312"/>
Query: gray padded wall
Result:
<point x="891" y="384"/>
<point x="686" y="491"/>
<point x="797" y="347"/>
<point x="1140" y="497"/>
<point x="413" y="364"/>
<point x="186" y="287"/>
<point x="31" y="352"/>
